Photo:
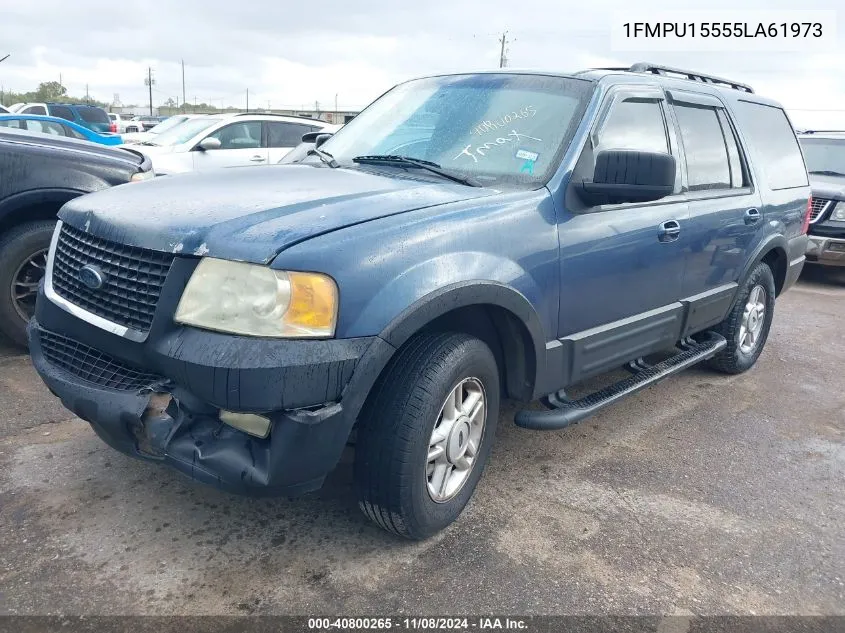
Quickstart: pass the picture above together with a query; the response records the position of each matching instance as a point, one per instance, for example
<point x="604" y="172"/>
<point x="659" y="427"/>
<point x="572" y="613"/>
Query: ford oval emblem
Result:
<point x="92" y="277"/>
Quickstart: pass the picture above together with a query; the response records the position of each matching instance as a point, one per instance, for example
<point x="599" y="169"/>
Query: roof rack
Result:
<point x="656" y="69"/>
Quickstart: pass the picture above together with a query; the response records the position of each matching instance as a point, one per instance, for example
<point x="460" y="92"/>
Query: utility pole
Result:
<point x="183" y="84"/>
<point x="247" y="100"/>
<point x="504" y="40"/>
<point x="149" y="81"/>
<point x="86" y="94"/>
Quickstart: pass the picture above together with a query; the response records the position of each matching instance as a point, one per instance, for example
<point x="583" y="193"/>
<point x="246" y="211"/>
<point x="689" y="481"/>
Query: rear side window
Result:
<point x="93" y="115"/>
<point x="704" y="147"/>
<point x="634" y="124"/>
<point x="776" y="148"/>
<point x="34" y="110"/>
<point x="63" y="112"/>
<point x="286" y="134"/>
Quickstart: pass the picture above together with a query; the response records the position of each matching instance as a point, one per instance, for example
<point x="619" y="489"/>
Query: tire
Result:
<point x="737" y="358"/>
<point x="17" y="246"/>
<point x="392" y="469"/>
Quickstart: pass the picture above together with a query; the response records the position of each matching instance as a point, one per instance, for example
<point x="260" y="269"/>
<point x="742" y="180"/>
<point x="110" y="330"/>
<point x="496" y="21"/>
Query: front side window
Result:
<point x="706" y="154"/>
<point x="15" y="124"/>
<point x="635" y="124"/>
<point x="241" y="135"/>
<point x="496" y="128"/>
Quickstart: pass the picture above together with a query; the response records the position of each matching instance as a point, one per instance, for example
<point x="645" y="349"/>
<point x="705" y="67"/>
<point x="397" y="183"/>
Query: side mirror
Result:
<point x="209" y="142"/>
<point x="318" y="138"/>
<point x="624" y="175"/>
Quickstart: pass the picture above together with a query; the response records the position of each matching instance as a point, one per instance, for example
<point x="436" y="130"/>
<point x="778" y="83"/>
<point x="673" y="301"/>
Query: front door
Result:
<point x="622" y="265"/>
<point x="240" y="145"/>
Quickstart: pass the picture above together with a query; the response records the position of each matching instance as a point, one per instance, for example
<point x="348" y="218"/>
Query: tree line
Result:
<point x="46" y="91"/>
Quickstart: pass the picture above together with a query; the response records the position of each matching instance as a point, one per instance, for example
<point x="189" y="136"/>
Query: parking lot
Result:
<point x="705" y="494"/>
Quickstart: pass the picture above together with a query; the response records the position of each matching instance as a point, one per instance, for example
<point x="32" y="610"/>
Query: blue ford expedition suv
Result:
<point x="466" y="238"/>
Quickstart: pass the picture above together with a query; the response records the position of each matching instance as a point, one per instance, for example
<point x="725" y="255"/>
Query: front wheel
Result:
<point x="746" y="327"/>
<point x="426" y="433"/>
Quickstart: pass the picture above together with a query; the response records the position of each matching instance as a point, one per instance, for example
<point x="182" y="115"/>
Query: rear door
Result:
<point x="240" y="145"/>
<point x="282" y="137"/>
<point x="726" y="221"/>
<point x="621" y="265"/>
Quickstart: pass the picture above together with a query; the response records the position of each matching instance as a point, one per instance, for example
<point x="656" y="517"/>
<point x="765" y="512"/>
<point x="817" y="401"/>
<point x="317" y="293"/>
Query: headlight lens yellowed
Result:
<point x="255" y="300"/>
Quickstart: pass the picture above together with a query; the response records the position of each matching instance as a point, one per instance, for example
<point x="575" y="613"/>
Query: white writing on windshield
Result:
<point x="481" y="150"/>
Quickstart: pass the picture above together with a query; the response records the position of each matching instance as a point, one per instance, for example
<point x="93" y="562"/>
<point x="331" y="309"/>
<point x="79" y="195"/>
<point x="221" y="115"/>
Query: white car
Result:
<point x="227" y="140"/>
<point x="134" y="137"/>
<point x="122" y="121"/>
<point x="3" y="110"/>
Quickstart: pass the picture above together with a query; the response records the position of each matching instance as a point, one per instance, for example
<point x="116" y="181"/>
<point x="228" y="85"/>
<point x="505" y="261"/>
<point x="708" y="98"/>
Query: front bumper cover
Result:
<point x="169" y="423"/>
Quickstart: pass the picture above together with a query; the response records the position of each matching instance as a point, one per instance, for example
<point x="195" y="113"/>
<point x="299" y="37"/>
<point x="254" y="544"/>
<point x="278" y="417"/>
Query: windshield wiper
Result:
<point x="148" y="143"/>
<point x="826" y="172"/>
<point x="327" y="158"/>
<point x="434" y="168"/>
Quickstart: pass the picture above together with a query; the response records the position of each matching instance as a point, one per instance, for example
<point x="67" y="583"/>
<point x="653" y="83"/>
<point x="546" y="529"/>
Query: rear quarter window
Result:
<point x="775" y="147"/>
<point x="94" y="115"/>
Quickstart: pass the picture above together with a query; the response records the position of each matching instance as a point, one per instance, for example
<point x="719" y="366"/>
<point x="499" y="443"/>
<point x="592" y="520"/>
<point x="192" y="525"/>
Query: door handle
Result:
<point x="669" y="231"/>
<point x="257" y="159"/>
<point x="751" y="216"/>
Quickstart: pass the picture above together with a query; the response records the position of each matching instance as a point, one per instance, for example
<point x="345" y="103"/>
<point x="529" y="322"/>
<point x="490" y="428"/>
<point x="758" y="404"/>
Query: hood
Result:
<point x="251" y="213"/>
<point x="828" y="187"/>
<point x="137" y="137"/>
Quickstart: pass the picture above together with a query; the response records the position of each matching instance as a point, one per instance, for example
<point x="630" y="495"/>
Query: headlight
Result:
<point x="838" y="212"/>
<point x="257" y="301"/>
<point x="143" y="175"/>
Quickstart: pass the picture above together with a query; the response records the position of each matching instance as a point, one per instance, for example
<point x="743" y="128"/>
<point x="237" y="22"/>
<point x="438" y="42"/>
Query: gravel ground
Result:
<point x="707" y="494"/>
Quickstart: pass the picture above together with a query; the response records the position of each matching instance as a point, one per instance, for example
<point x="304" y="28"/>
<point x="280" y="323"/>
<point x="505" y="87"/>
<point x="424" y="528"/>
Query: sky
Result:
<point x="297" y="54"/>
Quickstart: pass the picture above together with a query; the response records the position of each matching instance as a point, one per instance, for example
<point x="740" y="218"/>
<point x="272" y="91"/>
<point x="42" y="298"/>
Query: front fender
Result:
<point x="438" y="285"/>
<point x="36" y="197"/>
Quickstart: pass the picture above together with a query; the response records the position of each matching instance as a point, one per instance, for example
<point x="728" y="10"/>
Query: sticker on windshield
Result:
<point x="527" y="167"/>
<point x="526" y="155"/>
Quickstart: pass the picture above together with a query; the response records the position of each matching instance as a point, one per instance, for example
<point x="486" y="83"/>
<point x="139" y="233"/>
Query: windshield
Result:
<point x="168" y="123"/>
<point x="824" y="155"/>
<point x="184" y="131"/>
<point x="494" y="128"/>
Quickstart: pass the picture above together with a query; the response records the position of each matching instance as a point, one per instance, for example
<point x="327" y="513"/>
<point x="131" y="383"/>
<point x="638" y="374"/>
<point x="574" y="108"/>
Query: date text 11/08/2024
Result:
<point x="418" y="624"/>
<point x="723" y="29"/>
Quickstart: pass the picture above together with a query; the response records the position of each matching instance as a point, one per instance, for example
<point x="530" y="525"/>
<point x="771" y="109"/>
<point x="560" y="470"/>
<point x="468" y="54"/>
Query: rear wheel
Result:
<point x="426" y="433"/>
<point x="747" y="326"/>
<point x="23" y="261"/>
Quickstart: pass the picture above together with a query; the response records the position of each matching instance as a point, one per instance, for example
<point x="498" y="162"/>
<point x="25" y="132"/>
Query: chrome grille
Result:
<point x="818" y="208"/>
<point x="91" y="365"/>
<point x="133" y="277"/>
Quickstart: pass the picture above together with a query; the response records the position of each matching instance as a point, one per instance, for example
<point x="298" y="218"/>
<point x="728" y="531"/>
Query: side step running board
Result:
<point x="566" y="412"/>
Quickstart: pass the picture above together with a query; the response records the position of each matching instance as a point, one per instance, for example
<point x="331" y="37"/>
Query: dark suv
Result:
<point x="38" y="174"/>
<point x="466" y="238"/>
<point x="825" y="156"/>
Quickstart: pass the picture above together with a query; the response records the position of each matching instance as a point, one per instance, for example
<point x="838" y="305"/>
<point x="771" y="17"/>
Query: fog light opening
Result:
<point x="251" y="423"/>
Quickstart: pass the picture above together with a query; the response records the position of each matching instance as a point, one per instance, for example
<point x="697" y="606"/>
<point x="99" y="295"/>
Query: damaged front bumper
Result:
<point x="173" y="416"/>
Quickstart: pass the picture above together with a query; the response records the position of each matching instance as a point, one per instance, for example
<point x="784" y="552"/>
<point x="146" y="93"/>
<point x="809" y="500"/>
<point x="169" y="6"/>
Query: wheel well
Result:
<point x="776" y="260"/>
<point x="30" y="213"/>
<point x="507" y="337"/>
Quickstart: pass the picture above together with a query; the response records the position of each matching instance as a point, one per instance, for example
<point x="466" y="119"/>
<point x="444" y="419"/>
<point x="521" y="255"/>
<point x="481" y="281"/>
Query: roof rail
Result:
<point x="821" y="131"/>
<point x="656" y="69"/>
<point x="287" y="116"/>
